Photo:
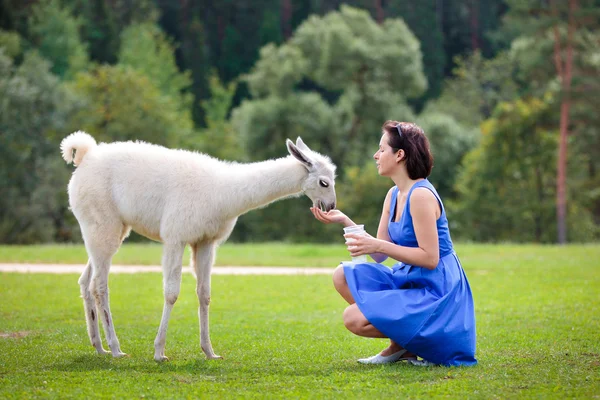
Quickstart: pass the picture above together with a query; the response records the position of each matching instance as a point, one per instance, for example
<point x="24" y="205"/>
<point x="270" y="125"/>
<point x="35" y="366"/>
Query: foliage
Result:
<point x="34" y="107"/>
<point x="123" y="104"/>
<point x="507" y="188"/>
<point x="101" y="29"/>
<point x="10" y="42"/>
<point x="476" y="86"/>
<point x="449" y="142"/>
<point x="371" y="68"/>
<point x="149" y="51"/>
<point x="219" y="139"/>
<point x="422" y="19"/>
<point x="539" y="49"/>
<point x="55" y="33"/>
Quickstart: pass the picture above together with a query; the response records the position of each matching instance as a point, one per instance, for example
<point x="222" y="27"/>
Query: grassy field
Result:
<point x="537" y="309"/>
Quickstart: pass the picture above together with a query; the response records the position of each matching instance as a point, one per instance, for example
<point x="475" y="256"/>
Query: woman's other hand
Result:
<point x="362" y="244"/>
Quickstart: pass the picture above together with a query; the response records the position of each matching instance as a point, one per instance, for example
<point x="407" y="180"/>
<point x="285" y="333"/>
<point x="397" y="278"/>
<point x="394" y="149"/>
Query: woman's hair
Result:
<point x="410" y="138"/>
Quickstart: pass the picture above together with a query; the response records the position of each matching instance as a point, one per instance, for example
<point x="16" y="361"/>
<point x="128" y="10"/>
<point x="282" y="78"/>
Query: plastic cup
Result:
<point x="358" y="230"/>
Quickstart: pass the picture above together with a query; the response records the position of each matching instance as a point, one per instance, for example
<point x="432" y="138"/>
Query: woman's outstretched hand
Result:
<point x="331" y="217"/>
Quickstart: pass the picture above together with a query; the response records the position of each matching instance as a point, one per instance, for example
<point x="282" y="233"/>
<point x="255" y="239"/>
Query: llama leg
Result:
<point x="203" y="261"/>
<point x="171" y="265"/>
<point x="99" y="288"/>
<point x="89" y="306"/>
<point x="102" y="242"/>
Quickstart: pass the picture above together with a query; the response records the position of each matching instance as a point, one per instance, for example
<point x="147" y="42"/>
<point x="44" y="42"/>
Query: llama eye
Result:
<point x="323" y="183"/>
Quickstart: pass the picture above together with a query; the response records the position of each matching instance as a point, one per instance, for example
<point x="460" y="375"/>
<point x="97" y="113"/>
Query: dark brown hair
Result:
<point x="410" y="138"/>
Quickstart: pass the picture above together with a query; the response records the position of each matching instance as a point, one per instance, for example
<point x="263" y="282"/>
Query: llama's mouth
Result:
<point x="323" y="207"/>
<point x="320" y="205"/>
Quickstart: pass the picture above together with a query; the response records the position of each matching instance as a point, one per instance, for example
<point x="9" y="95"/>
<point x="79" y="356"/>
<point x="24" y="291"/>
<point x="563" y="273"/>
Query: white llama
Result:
<point x="176" y="197"/>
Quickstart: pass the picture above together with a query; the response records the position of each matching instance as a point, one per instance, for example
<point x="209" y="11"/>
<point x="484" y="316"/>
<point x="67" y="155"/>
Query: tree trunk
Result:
<point x="286" y="18"/>
<point x="565" y="74"/>
<point x="379" y="14"/>
<point x="474" y="19"/>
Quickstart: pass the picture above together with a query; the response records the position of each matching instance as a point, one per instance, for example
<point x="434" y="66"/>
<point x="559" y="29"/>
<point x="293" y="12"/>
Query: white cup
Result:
<point x="358" y="230"/>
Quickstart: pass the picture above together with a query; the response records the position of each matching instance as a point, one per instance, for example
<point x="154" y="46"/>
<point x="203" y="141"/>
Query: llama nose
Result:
<point x="330" y="207"/>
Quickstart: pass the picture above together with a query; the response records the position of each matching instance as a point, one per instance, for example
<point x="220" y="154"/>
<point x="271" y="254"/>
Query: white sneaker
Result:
<point x="379" y="359"/>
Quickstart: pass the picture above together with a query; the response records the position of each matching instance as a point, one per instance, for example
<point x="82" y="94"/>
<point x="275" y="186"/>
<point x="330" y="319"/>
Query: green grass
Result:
<point x="537" y="310"/>
<point x="292" y="255"/>
<point x="257" y="254"/>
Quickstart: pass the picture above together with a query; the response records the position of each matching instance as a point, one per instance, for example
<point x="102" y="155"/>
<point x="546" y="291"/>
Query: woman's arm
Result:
<point x="336" y="216"/>
<point x="425" y="210"/>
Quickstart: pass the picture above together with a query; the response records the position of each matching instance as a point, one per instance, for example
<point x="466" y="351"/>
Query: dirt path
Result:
<point x="133" y="269"/>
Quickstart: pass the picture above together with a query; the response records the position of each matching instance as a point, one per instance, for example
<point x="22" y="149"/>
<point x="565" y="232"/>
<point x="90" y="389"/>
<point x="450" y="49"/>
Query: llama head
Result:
<point x="319" y="185"/>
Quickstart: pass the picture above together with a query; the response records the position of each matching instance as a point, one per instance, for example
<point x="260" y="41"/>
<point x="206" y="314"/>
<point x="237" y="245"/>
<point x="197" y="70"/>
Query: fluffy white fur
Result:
<point x="176" y="197"/>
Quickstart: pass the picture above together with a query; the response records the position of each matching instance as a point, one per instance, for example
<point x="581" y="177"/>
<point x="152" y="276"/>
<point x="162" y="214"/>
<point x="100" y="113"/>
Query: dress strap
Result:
<point x="393" y="204"/>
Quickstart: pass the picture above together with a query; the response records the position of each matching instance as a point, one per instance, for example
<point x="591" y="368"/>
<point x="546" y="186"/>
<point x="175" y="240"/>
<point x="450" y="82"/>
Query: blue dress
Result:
<point x="428" y="312"/>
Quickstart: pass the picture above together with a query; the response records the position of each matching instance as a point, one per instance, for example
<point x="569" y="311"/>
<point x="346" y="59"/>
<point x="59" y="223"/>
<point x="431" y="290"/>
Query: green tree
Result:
<point x="54" y="31"/>
<point x="10" y="42"/>
<point x="334" y="83"/>
<point x="149" y="51"/>
<point x="507" y="186"/>
<point x="101" y="29"/>
<point x="552" y="50"/>
<point x="424" y="21"/>
<point x="219" y="139"/>
<point x="476" y="86"/>
<point x="361" y="71"/>
<point x="33" y="115"/>
<point x="123" y="104"/>
<point x="450" y="142"/>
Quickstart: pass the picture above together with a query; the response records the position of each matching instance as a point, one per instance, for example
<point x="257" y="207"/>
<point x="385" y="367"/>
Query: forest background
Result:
<point x="506" y="90"/>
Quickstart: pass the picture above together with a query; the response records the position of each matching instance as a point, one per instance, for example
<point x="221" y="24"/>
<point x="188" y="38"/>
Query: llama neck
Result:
<point x="258" y="184"/>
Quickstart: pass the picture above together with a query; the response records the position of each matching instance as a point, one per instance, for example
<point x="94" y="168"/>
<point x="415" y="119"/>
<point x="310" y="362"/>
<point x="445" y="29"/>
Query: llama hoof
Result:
<point x="102" y="352"/>
<point x="161" y="358"/>
<point x="120" y="355"/>
<point x="214" y="357"/>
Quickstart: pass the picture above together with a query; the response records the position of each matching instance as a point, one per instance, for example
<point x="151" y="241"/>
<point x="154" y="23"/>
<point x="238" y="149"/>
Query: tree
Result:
<point x="33" y="115"/>
<point x="564" y="69"/>
<point x="55" y="33"/>
<point x="10" y="42"/>
<point x="450" y="142"/>
<point x="123" y="104"/>
<point x="507" y="185"/>
<point x="423" y="20"/>
<point x="476" y="86"/>
<point x="363" y="72"/>
<point x="552" y="50"/>
<point x="145" y="48"/>
<point x="334" y="83"/>
<point x="219" y="139"/>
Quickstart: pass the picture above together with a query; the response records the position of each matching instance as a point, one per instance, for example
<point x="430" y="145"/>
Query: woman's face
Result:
<point x="385" y="157"/>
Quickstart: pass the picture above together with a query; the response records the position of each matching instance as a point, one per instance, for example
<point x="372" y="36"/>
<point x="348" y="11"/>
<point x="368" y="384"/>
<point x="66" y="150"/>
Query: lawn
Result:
<point x="537" y="308"/>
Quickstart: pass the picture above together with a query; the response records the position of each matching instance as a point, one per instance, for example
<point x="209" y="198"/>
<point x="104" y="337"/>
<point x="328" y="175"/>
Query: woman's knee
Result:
<point x="353" y="321"/>
<point x="339" y="279"/>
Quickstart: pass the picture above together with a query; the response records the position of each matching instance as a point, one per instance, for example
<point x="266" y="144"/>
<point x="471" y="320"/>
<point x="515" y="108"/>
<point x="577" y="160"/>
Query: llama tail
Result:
<point x="78" y="142"/>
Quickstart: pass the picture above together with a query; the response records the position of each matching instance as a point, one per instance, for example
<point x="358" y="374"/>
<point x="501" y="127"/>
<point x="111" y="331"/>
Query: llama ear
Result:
<point x="298" y="154"/>
<point x="300" y="144"/>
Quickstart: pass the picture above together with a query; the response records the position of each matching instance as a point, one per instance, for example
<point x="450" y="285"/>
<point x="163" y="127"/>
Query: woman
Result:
<point x="424" y="303"/>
